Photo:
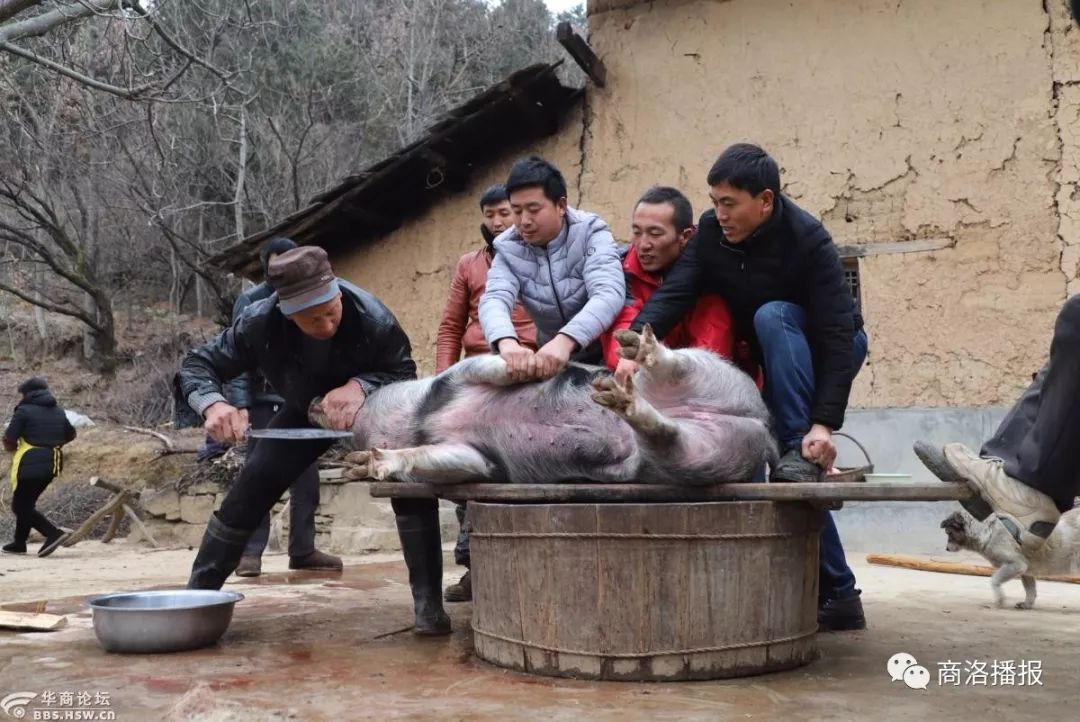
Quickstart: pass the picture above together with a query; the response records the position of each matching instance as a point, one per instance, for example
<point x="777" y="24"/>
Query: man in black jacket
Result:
<point x="250" y="393"/>
<point x="38" y="428"/>
<point x="317" y="336"/>
<point x="778" y="270"/>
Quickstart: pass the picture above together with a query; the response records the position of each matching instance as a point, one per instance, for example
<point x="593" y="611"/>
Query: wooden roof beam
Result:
<point x="582" y="54"/>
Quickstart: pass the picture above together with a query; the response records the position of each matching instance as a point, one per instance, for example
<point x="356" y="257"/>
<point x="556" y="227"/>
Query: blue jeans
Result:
<point x="789" y="389"/>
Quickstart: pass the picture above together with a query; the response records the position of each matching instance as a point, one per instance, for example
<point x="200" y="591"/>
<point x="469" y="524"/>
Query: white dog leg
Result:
<point x="1007" y="571"/>
<point x="1029" y="592"/>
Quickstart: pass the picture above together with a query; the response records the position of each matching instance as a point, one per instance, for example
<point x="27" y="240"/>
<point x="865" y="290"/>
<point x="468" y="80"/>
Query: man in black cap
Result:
<point x="251" y="393"/>
<point x="317" y="336"/>
<point x="38" y="428"/>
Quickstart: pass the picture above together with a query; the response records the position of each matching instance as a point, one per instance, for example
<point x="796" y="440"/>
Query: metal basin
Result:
<point x="162" y="621"/>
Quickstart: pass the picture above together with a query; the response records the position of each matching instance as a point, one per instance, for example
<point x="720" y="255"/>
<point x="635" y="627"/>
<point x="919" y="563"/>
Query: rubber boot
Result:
<point x="219" y="554"/>
<point x="421" y="545"/>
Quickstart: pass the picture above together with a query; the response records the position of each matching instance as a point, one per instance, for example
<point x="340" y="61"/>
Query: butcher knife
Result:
<point x="298" y="434"/>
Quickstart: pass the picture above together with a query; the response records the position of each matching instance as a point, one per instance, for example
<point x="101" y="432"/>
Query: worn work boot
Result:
<point x="53" y="542"/>
<point x="842" y="615"/>
<point x="220" y="552"/>
<point x="421" y="546"/>
<point x="249" y="566"/>
<point x="793" y="467"/>
<point x="1028" y="514"/>
<point x="460" y="592"/>
<point x="933" y="458"/>
<point x="14" y="548"/>
<point x="316" y="561"/>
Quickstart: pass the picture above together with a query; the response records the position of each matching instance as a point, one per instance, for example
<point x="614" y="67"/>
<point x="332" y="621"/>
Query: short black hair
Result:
<point x="273" y="247"/>
<point x="684" y="211"/>
<point x="493" y="196"/>
<point x="747" y="167"/>
<point x="535" y="171"/>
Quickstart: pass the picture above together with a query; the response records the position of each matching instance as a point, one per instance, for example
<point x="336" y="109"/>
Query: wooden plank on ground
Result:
<point x="931" y="565"/>
<point x="599" y="493"/>
<point x="25" y="622"/>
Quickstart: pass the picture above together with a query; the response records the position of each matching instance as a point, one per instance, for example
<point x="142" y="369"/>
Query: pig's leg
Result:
<point x="434" y="463"/>
<point x="655" y="359"/>
<point x="489" y="369"/>
<point x="636" y="411"/>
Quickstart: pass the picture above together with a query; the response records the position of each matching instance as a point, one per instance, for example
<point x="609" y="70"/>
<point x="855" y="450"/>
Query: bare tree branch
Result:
<point x="11" y="8"/>
<point x="125" y="93"/>
<point x="62" y="15"/>
<point x="55" y="308"/>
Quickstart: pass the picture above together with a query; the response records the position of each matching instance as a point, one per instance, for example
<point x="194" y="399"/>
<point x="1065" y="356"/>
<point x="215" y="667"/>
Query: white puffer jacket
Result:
<point x="574" y="285"/>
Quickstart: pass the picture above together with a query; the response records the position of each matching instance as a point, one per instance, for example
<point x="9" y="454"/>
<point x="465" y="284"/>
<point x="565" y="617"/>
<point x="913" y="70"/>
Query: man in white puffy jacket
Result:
<point x="563" y="265"/>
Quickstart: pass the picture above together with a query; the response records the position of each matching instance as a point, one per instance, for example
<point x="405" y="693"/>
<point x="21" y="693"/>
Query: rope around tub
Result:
<point x="644" y="655"/>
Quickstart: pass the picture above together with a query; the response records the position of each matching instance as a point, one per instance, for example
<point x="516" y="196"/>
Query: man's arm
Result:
<point x="676" y="295"/>
<point x="497" y="303"/>
<point x="227" y="355"/>
<point x="831" y="323"/>
<point x="606" y="286"/>
<point x="455" y="317"/>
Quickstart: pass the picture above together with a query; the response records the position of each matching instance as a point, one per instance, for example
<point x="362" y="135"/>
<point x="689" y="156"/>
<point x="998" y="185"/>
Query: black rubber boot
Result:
<point x="842" y="615"/>
<point x="421" y="545"/>
<point x="219" y="554"/>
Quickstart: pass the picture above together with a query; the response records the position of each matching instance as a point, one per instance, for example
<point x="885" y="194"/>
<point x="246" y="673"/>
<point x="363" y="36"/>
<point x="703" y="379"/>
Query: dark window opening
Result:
<point x="851" y="276"/>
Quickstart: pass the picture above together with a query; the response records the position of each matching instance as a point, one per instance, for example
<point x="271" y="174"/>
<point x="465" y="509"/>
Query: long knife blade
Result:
<point x="298" y="434"/>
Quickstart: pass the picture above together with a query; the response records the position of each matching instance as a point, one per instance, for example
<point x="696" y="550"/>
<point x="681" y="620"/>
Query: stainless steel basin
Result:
<point x="162" y="621"/>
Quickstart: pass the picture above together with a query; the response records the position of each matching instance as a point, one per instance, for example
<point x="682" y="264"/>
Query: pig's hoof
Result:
<point x="360" y="463"/>
<point x="372" y="464"/>
<point x="612" y="395"/>
<point x="638" y="347"/>
<point x="629" y="341"/>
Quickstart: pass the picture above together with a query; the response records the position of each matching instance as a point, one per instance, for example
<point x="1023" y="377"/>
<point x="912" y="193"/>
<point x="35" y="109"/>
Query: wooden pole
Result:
<point x="142" y="528"/>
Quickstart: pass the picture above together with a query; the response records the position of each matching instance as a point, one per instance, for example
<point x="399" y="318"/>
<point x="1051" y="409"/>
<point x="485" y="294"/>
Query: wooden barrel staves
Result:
<point x="645" y="592"/>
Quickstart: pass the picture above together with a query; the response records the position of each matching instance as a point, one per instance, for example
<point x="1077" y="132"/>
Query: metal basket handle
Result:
<point x="855" y="441"/>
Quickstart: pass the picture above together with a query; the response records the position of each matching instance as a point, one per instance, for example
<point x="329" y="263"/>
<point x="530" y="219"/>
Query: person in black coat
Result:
<point x="254" y="396"/>
<point x="317" y="336"/>
<point x="778" y="270"/>
<point x="38" y="428"/>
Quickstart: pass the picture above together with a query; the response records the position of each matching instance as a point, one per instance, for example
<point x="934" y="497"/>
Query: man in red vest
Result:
<point x="663" y="223"/>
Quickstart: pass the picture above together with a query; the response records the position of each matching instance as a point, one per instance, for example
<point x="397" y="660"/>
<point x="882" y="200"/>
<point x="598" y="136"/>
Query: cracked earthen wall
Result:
<point x="893" y="120"/>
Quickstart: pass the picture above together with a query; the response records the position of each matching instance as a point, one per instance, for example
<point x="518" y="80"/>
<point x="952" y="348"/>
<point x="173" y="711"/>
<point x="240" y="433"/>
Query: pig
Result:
<point x="686" y="417"/>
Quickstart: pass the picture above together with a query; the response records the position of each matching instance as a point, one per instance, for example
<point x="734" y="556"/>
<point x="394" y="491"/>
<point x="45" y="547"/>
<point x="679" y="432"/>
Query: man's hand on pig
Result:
<point x="341" y="405"/>
<point x="625" y="369"/>
<point x="224" y="423"/>
<point x="520" y="361"/>
<point x="818" y="446"/>
<point x="553" y="355"/>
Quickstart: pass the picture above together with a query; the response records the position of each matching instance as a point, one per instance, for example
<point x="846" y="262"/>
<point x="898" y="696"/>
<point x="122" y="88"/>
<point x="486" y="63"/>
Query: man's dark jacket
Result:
<point x="791" y="257"/>
<point x="40" y="422"/>
<point x="249" y="389"/>
<point x="369" y="346"/>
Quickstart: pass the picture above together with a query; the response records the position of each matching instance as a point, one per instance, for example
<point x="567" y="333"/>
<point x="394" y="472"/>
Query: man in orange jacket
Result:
<point x="459" y="330"/>
<point x="663" y="223"/>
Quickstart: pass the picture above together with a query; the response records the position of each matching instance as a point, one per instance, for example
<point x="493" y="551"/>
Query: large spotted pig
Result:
<point x="686" y="417"/>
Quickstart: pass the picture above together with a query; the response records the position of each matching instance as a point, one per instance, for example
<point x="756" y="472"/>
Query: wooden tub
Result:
<point x="657" y="592"/>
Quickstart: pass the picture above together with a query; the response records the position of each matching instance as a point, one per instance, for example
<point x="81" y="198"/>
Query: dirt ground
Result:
<point x="330" y="647"/>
